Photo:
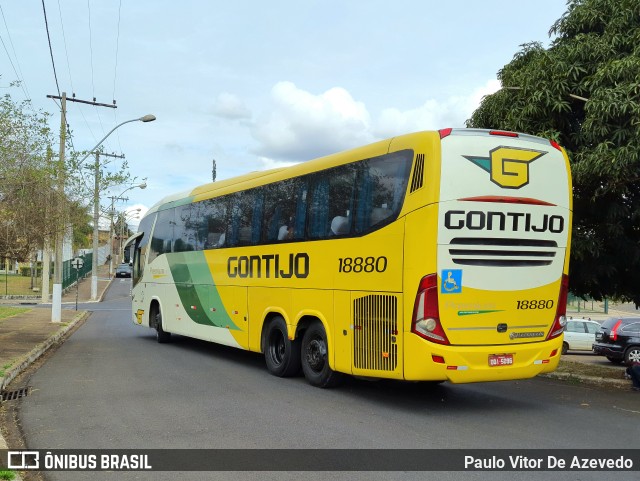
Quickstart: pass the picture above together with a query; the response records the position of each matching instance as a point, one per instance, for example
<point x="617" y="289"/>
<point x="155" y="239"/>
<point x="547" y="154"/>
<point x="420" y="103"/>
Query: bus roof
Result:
<point x="258" y="178"/>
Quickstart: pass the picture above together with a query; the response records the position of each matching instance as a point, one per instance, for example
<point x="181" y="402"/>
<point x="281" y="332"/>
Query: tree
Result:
<point x="26" y="180"/>
<point x="31" y="207"/>
<point x="584" y="92"/>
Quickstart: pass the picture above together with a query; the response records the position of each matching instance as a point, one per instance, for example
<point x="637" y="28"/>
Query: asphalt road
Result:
<point x="112" y="386"/>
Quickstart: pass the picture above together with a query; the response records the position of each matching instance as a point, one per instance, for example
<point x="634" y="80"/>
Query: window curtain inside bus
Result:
<point x="258" y="206"/>
<point x="301" y="211"/>
<point x="363" y="208"/>
<point x="319" y="208"/>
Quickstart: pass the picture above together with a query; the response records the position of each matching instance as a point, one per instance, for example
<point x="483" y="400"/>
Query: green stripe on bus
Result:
<point x="197" y="290"/>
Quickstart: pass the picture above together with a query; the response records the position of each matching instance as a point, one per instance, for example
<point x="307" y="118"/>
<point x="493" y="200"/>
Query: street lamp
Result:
<point x="146" y="118"/>
<point x="56" y="299"/>
<point x="94" y="255"/>
<point x="142" y="185"/>
<point x="126" y="216"/>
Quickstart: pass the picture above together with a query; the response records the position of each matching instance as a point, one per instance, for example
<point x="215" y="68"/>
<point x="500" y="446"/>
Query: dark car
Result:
<point x="123" y="270"/>
<point x="619" y="339"/>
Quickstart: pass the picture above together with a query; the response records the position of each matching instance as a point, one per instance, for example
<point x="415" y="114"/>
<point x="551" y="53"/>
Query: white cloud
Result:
<point x="303" y="125"/>
<point x="230" y="106"/>
<point x="268" y="163"/>
<point x="433" y="114"/>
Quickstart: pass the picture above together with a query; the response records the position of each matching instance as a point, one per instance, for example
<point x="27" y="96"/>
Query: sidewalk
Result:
<point x="26" y="336"/>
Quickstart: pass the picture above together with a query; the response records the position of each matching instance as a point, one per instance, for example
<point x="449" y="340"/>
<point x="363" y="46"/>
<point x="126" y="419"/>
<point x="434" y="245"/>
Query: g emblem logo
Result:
<point x="508" y="166"/>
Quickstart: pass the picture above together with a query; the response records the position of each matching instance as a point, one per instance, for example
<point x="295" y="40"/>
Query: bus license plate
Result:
<point x="500" y="360"/>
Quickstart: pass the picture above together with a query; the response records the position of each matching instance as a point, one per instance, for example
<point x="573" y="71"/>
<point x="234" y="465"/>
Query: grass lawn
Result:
<point x="11" y="311"/>
<point x="12" y="284"/>
<point x="586" y="369"/>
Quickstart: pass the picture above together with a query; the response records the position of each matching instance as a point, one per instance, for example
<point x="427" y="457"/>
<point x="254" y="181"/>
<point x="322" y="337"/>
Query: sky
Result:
<point x="254" y="84"/>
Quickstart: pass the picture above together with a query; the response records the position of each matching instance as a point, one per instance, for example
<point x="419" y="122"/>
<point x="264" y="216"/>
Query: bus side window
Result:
<point x="332" y="199"/>
<point x="185" y="233"/>
<point x="162" y="239"/>
<point x="242" y="213"/>
<point x="214" y="222"/>
<point x="283" y="220"/>
<point x="381" y="189"/>
<point x="141" y="246"/>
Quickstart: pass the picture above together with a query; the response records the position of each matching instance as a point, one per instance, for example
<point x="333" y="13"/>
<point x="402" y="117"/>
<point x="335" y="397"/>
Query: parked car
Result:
<point x="123" y="270"/>
<point x="619" y="339"/>
<point x="580" y="335"/>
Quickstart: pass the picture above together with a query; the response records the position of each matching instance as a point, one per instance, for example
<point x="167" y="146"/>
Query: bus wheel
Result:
<point x="161" y="335"/>
<point x="315" y="360"/>
<point x="281" y="354"/>
<point x="565" y="347"/>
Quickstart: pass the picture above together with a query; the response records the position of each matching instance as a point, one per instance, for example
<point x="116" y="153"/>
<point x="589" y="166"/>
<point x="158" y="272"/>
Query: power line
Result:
<point x="23" y="83"/>
<point x="46" y="23"/>
<point x="93" y="87"/>
<point x="64" y="41"/>
<point x="115" y="70"/>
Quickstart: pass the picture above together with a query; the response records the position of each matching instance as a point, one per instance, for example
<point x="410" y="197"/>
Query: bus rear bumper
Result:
<point x="427" y="361"/>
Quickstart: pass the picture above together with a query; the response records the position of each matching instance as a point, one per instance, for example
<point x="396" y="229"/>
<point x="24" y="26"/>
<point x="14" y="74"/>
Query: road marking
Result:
<point x="627" y="410"/>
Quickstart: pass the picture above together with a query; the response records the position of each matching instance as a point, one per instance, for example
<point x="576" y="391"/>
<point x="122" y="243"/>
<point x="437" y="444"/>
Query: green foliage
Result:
<point x="595" y="55"/>
<point x="32" y="206"/>
<point x="7" y="475"/>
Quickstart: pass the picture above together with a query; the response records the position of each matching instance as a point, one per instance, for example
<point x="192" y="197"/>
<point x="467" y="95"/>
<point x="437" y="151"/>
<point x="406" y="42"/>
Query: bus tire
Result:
<point x="161" y="335"/>
<point x="565" y="347"/>
<point x="281" y="355"/>
<point x="315" y="358"/>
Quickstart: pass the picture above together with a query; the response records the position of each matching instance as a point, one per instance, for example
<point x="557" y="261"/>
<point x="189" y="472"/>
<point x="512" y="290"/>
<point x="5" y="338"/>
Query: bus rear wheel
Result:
<point x="281" y="355"/>
<point x="315" y="358"/>
<point x="161" y="335"/>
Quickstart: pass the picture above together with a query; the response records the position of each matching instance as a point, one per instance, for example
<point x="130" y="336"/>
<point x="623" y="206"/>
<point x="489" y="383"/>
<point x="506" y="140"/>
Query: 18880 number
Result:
<point x="362" y="264"/>
<point x="535" y="304"/>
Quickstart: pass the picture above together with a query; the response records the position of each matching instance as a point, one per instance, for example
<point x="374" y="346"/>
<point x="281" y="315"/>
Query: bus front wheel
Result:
<point x="281" y="355"/>
<point x="315" y="358"/>
<point x="161" y="335"/>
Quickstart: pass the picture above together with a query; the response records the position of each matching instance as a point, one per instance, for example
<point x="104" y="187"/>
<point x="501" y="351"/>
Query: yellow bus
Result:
<point x="431" y="256"/>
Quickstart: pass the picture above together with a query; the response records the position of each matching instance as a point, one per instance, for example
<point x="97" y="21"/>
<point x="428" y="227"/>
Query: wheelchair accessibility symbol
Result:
<point x="451" y="281"/>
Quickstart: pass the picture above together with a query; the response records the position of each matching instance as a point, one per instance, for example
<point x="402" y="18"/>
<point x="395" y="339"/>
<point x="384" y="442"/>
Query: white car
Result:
<point x="580" y="335"/>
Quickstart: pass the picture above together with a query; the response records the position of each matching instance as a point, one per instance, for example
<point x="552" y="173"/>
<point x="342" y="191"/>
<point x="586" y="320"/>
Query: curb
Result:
<point x="40" y="349"/>
<point x="593" y="380"/>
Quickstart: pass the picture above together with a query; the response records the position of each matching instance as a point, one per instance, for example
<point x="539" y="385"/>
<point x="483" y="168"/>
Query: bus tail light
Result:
<point x="426" y="314"/>
<point x="561" y="312"/>
<point x="555" y="145"/>
<point x="613" y="335"/>
<point x="503" y="133"/>
<point x="445" y="133"/>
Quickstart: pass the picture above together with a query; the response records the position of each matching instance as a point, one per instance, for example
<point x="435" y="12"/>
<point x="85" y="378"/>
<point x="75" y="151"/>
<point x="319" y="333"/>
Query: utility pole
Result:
<point x="111" y="211"/>
<point x="96" y="231"/>
<point x="56" y="301"/>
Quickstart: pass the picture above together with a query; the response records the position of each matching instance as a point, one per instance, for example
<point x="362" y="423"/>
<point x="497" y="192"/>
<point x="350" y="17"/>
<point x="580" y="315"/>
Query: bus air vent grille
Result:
<point x="497" y="252"/>
<point x="418" y="173"/>
<point x="375" y="323"/>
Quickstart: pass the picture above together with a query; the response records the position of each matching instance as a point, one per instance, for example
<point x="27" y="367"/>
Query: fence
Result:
<point x="577" y="304"/>
<point x="23" y="285"/>
<point x="70" y="274"/>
